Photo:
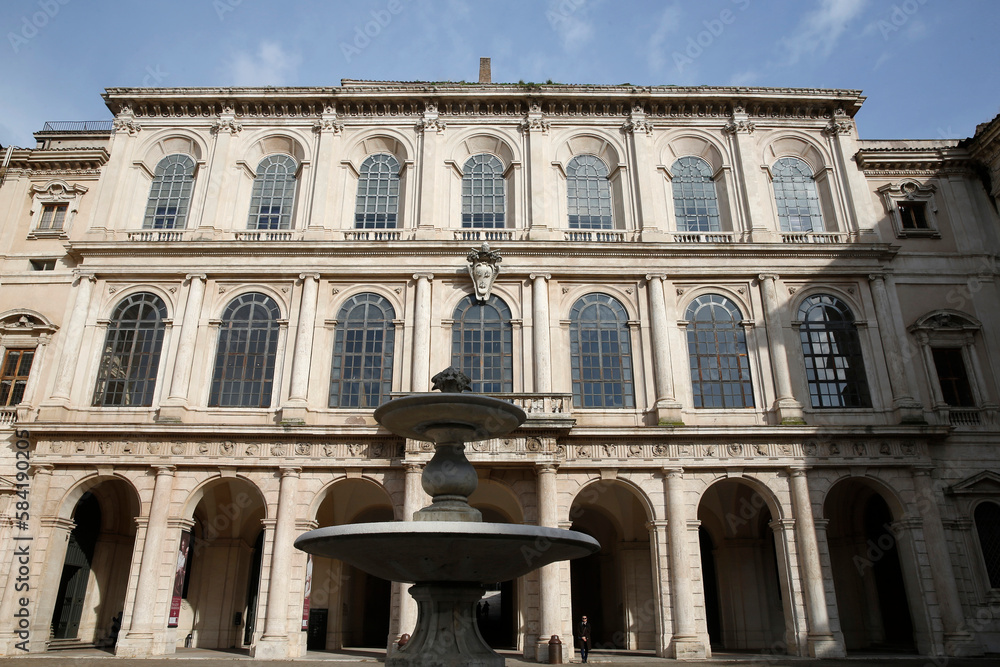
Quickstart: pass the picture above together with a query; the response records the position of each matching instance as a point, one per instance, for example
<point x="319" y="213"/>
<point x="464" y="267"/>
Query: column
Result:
<point x="181" y="379"/>
<point x="659" y="547"/>
<point x="957" y="638"/>
<point x="302" y="355"/>
<point x="668" y="410"/>
<point x="750" y="182"/>
<point x="324" y="198"/>
<point x="420" y="380"/>
<point x="908" y="409"/>
<point x="548" y="576"/>
<point x="69" y="359"/>
<point x="789" y="410"/>
<point x="274" y="644"/>
<point x="542" y="353"/>
<point x="429" y="128"/>
<point x="685" y="643"/>
<point x="138" y="643"/>
<point x="413" y="499"/>
<point x="821" y="641"/>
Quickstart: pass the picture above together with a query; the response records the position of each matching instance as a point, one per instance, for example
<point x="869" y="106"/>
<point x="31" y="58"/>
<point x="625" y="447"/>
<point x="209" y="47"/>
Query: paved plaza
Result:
<point x="206" y="658"/>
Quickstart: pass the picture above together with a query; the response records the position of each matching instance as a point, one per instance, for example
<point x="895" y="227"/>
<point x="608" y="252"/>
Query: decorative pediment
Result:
<point x="946" y="320"/>
<point x="25" y="322"/>
<point x="986" y="483"/>
<point x="57" y="189"/>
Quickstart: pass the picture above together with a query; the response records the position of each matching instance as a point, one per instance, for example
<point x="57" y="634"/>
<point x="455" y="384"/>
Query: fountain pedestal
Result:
<point x="447" y="551"/>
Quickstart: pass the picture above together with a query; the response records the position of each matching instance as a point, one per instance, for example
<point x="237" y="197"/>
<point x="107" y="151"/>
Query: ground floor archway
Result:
<point x="614" y="587"/>
<point x="743" y="588"/>
<point x="868" y="577"/>
<point x="94" y="580"/>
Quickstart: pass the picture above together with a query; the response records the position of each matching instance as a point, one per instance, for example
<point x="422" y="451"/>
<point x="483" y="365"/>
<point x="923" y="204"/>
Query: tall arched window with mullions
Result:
<point x="378" y="193"/>
<point x="588" y="192"/>
<point x="484" y="196"/>
<point x="717" y="354"/>
<point x="987" y="516"/>
<point x="170" y="194"/>
<point x="273" y="193"/>
<point x="362" y="353"/>
<point x="601" y="353"/>
<point x="482" y="341"/>
<point x="835" y="369"/>
<point x="248" y="346"/>
<point x="695" y="202"/>
<point x="796" y="196"/>
<point x="131" y="355"/>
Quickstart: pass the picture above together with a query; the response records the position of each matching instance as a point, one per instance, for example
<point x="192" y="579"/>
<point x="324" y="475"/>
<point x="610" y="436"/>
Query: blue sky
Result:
<point x="930" y="68"/>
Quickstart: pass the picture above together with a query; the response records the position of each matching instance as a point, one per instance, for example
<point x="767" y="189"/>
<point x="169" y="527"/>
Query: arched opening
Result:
<point x="220" y="597"/>
<point x="867" y="574"/>
<point x="499" y="614"/>
<point x="742" y="585"/>
<point x="94" y="580"/>
<point x="614" y="587"/>
<point x="348" y="607"/>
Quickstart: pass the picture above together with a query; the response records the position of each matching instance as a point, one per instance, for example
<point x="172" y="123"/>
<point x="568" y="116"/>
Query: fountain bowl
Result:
<point x="446" y="551"/>
<point x="449" y="417"/>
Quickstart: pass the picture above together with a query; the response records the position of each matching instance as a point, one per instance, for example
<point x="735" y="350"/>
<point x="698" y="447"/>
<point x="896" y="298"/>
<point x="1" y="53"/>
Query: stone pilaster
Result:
<point x="668" y="409"/>
<point x="788" y="410"/>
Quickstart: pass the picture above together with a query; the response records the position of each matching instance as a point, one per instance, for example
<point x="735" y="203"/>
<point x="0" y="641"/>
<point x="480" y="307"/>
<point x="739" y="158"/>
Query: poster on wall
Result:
<point x="175" y="601"/>
<point x="308" y="592"/>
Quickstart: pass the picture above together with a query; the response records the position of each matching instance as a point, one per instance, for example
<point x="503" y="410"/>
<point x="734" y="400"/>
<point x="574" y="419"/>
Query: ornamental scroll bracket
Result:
<point x="484" y="265"/>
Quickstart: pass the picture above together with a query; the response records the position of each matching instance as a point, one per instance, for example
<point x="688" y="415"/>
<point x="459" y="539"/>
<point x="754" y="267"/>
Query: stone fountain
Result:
<point x="447" y="551"/>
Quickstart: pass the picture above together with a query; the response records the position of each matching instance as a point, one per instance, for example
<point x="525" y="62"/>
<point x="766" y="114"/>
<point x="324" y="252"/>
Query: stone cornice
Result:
<point x="59" y="159"/>
<point x="915" y="160"/>
<point x="378" y="99"/>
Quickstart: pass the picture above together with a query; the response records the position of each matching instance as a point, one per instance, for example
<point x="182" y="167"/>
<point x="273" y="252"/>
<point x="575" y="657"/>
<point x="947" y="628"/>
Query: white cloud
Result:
<point x="271" y="66"/>
<point x="745" y="78"/>
<point x="656" y="47"/>
<point x="819" y="30"/>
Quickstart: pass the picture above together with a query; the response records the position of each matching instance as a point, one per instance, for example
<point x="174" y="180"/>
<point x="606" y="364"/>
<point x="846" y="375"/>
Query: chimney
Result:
<point x="484" y="71"/>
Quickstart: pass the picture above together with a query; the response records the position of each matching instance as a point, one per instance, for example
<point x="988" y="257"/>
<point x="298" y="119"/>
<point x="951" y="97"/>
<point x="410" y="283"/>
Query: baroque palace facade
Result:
<point x="759" y="358"/>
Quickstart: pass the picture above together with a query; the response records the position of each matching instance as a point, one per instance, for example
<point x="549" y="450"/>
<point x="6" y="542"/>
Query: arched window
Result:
<point x="482" y="341"/>
<point x="601" y="353"/>
<point x="695" y="201"/>
<point x="378" y="193"/>
<point x="796" y="196"/>
<point x="484" y="202"/>
<point x="170" y="194"/>
<point x="131" y="356"/>
<point x="987" y="516"/>
<point x="589" y="193"/>
<point x="273" y="193"/>
<point x="362" y="353"/>
<point x="717" y="349"/>
<point x="835" y="368"/>
<point x="248" y="346"/>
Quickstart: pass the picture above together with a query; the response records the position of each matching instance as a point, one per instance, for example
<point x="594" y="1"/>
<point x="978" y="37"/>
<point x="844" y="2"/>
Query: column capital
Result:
<point x="195" y="276"/>
<point x="413" y="467"/>
<point x="314" y="276"/>
<point x="799" y="471"/>
<point x="80" y="276"/>
<point x="877" y="277"/>
<point x="673" y="472"/>
<point x="658" y="276"/>
<point x="42" y="468"/>
<point x="543" y="276"/>
<point x="165" y="470"/>
<point x="546" y="468"/>
<point x="289" y="471"/>
<point x="767" y="277"/>
<point x="922" y="470"/>
<point x="423" y="276"/>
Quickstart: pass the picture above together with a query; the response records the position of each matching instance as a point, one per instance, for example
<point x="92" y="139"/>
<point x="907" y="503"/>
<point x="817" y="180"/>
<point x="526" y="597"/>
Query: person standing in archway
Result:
<point x="583" y="635"/>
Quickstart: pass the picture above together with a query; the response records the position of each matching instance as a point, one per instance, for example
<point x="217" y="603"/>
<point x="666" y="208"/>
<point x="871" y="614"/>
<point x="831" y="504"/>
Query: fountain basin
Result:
<point x="446" y="551"/>
<point x="449" y="417"/>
